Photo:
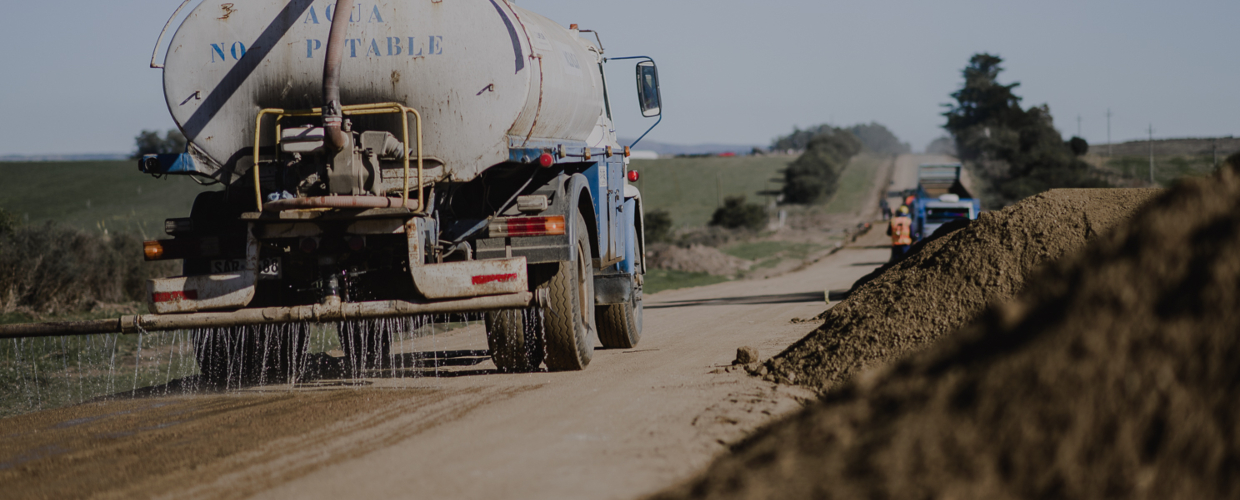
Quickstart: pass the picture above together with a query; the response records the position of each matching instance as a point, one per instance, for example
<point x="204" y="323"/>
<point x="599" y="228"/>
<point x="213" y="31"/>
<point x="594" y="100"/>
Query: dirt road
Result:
<point x="633" y="423"/>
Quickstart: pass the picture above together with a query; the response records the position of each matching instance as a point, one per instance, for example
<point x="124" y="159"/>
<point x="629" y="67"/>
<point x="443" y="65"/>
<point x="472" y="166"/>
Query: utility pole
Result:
<point x="1108" y="132"/>
<point x="1214" y="149"/>
<point x="1078" y="125"/>
<point x="1151" y="154"/>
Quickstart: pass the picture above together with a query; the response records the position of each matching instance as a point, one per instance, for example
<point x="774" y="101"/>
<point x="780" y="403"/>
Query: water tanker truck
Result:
<point x="941" y="198"/>
<point x="390" y="158"/>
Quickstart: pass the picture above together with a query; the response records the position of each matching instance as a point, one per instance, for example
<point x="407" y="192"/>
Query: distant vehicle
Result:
<point x="941" y="198"/>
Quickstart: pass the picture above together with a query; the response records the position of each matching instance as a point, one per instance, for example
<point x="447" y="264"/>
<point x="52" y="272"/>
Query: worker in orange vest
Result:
<point x="901" y="232"/>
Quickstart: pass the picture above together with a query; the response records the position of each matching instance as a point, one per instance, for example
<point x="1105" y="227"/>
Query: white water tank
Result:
<point x="485" y="74"/>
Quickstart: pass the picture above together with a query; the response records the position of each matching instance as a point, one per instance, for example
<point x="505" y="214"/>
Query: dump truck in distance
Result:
<point x="941" y="198"/>
<point x="391" y="158"/>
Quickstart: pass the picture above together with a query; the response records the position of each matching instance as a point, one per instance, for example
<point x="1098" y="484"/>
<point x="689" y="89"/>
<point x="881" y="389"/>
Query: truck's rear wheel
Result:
<point x="570" y="315"/>
<point x="248" y="355"/>
<point x="620" y="325"/>
<point x="516" y="344"/>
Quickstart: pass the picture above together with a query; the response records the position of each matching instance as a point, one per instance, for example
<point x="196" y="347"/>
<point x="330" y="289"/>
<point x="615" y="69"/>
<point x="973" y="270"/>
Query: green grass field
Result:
<point x="690" y="188"/>
<point x="856" y="182"/>
<point x="1167" y="169"/>
<point x="95" y="195"/>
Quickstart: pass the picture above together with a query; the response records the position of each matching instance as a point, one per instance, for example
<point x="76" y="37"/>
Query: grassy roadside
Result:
<point x="691" y="188"/>
<point x="856" y="183"/>
<point x="767" y="250"/>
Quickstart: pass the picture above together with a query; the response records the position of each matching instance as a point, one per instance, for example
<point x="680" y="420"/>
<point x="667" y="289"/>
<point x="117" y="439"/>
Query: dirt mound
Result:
<point x="949" y="282"/>
<point x="695" y="259"/>
<point x="1113" y="375"/>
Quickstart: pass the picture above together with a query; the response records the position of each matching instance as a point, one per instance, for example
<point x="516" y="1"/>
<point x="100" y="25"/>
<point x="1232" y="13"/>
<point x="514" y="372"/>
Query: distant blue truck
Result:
<point x="941" y="198"/>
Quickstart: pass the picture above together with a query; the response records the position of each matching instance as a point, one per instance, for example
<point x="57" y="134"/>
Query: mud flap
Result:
<point x="185" y="294"/>
<point x="454" y="280"/>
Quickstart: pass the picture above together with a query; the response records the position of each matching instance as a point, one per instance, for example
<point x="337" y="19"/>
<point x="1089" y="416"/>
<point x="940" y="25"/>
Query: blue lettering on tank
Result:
<point x="311" y="17"/>
<point x="311" y="46"/>
<point x="359" y="15"/>
<point x="237" y="56"/>
<point x="374" y="48"/>
<point x="436" y="46"/>
<point x="374" y="14"/>
<point x="353" y="46"/>
<point x="411" y="48"/>
<point x="218" y="50"/>
<point x="394" y="48"/>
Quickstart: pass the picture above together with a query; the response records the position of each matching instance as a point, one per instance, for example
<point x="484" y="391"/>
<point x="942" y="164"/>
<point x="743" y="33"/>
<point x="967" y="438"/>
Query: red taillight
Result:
<point x="633" y="176"/>
<point x="546" y="160"/>
<point x="527" y="226"/>
<point x="309" y="245"/>
<point x="356" y="243"/>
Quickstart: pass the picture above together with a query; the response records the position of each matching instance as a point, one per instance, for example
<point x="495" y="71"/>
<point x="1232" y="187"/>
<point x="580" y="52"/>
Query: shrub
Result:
<point x="54" y="269"/>
<point x="1233" y="160"/>
<point x="736" y="214"/>
<point x="8" y="222"/>
<point x="657" y="226"/>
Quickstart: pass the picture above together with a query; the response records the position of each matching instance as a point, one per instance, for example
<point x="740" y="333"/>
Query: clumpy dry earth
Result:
<point x="1113" y="375"/>
<point x="949" y="281"/>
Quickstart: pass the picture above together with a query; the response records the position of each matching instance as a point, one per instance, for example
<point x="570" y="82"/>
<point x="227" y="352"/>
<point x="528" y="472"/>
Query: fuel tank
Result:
<point x="486" y="76"/>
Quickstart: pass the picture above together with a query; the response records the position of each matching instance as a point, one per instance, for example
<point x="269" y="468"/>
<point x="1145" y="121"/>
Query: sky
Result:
<point x="77" y="80"/>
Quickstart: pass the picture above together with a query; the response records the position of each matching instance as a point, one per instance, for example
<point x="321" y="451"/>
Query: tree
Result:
<point x="879" y="139"/>
<point x="1016" y="152"/>
<point x="736" y="214"/>
<point x="813" y="175"/>
<point x="148" y="142"/>
<point x="941" y="146"/>
<point x="1078" y="146"/>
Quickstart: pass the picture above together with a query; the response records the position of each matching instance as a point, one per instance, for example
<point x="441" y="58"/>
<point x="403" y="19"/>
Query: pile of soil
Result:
<point x="695" y="259"/>
<point x="949" y="281"/>
<point x="1113" y="375"/>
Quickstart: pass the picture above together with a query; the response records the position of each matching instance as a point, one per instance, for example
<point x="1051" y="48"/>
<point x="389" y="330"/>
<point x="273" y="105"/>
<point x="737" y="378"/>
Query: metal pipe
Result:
<point x="341" y="202"/>
<point x="270" y="315"/>
<point x="333" y="117"/>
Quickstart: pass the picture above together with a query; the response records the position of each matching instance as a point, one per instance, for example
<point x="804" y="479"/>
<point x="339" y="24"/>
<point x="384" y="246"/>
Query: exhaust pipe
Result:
<point x="316" y="313"/>
<point x="333" y="118"/>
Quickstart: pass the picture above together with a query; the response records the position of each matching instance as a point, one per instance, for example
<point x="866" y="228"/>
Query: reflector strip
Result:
<point x="494" y="278"/>
<point x="175" y="296"/>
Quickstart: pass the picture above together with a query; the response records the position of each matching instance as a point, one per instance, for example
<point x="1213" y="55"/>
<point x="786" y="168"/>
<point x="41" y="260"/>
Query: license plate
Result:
<point x="268" y="268"/>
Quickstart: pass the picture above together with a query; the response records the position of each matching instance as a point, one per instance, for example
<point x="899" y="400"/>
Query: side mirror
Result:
<point x="648" y="89"/>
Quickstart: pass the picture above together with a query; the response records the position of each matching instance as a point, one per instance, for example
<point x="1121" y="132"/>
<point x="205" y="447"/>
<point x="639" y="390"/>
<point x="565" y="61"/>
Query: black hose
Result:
<point x="333" y="118"/>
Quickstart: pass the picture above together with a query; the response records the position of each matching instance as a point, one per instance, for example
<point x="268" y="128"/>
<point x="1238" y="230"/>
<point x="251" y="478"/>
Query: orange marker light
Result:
<point x="152" y="250"/>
